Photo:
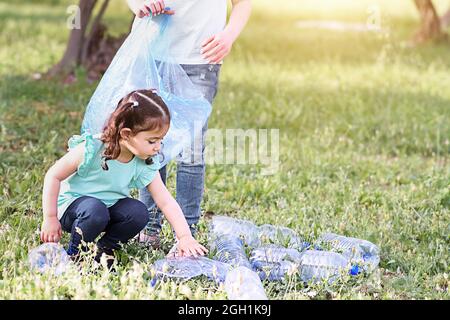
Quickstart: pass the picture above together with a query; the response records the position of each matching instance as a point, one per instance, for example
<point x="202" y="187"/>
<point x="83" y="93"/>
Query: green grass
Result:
<point x="364" y="148"/>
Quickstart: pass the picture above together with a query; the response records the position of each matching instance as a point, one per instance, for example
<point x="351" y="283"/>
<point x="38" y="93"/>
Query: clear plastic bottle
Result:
<point x="189" y="267"/>
<point x="283" y="236"/>
<point x="229" y="249"/>
<point x="177" y="267"/>
<point x="358" y="250"/>
<point x="275" y="271"/>
<point x="236" y="227"/>
<point x="49" y="257"/>
<point x="242" y="283"/>
<point x="273" y="262"/>
<point x="316" y="265"/>
<point x="274" y="253"/>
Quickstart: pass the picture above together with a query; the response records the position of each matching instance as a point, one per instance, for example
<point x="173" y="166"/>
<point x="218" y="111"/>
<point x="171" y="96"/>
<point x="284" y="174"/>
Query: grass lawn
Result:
<point x="364" y="132"/>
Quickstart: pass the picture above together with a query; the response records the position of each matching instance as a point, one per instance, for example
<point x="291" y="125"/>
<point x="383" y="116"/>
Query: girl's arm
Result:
<point x="218" y="46"/>
<point x="172" y="211"/>
<point x="63" y="168"/>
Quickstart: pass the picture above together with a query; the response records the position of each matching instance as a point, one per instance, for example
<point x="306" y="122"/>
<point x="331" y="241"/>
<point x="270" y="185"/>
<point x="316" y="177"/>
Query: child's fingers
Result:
<point x="204" y="249"/>
<point x="200" y="247"/>
<point x="192" y="252"/>
<point x="200" y="251"/>
<point x="184" y="252"/>
<point x="188" y="252"/>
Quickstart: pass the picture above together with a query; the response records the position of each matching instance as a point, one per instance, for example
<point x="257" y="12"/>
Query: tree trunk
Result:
<point x="74" y="49"/>
<point x="93" y="49"/>
<point x="94" y="30"/>
<point x="430" y="25"/>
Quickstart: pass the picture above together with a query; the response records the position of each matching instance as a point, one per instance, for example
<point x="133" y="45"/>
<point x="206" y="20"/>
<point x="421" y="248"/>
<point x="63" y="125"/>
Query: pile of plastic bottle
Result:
<point x="275" y="253"/>
<point x="244" y="254"/>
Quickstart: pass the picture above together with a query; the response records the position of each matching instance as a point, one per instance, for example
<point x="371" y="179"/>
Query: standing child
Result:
<point x="200" y="38"/>
<point x="87" y="191"/>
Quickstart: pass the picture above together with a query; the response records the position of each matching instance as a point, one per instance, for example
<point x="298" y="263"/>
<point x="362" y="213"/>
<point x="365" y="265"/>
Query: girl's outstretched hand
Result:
<point x="51" y="230"/>
<point x="153" y="7"/>
<point x="188" y="246"/>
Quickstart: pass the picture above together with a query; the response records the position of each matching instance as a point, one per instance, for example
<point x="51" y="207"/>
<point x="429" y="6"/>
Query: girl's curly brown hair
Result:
<point x="140" y="110"/>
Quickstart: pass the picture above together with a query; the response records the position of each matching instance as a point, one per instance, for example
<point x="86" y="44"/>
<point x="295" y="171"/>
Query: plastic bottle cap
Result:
<point x="354" y="270"/>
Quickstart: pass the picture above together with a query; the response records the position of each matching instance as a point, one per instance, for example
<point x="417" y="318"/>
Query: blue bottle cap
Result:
<point x="354" y="270"/>
<point x="153" y="282"/>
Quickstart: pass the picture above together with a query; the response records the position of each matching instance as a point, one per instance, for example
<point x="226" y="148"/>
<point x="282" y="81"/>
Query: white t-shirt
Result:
<point x="193" y="22"/>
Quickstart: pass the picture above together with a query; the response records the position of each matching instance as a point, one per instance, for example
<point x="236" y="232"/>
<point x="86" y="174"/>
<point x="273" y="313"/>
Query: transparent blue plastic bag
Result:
<point x="144" y="62"/>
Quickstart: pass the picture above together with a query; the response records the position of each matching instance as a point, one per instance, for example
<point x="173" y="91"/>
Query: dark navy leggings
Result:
<point x="120" y="222"/>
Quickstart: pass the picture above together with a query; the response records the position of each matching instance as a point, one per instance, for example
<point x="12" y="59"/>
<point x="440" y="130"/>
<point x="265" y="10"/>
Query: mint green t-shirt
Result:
<point x="110" y="185"/>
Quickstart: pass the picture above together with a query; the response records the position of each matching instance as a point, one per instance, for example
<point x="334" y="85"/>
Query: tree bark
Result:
<point x="90" y="46"/>
<point x="94" y="30"/>
<point x="430" y="25"/>
<point x="72" y="55"/>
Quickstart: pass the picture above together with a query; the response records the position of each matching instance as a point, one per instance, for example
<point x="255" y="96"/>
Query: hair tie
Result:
<point x="135" y="104"/>
<point x="103" y="164"/>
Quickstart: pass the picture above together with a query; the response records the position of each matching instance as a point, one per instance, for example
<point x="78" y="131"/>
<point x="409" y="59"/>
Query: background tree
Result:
<point x="89" y="45"/>
<point x="430" y="24"/>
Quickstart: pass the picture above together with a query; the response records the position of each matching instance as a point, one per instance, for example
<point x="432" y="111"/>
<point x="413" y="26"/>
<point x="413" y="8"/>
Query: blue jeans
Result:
<point x="190" y="163"/>
<point x="120" y="222"/>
